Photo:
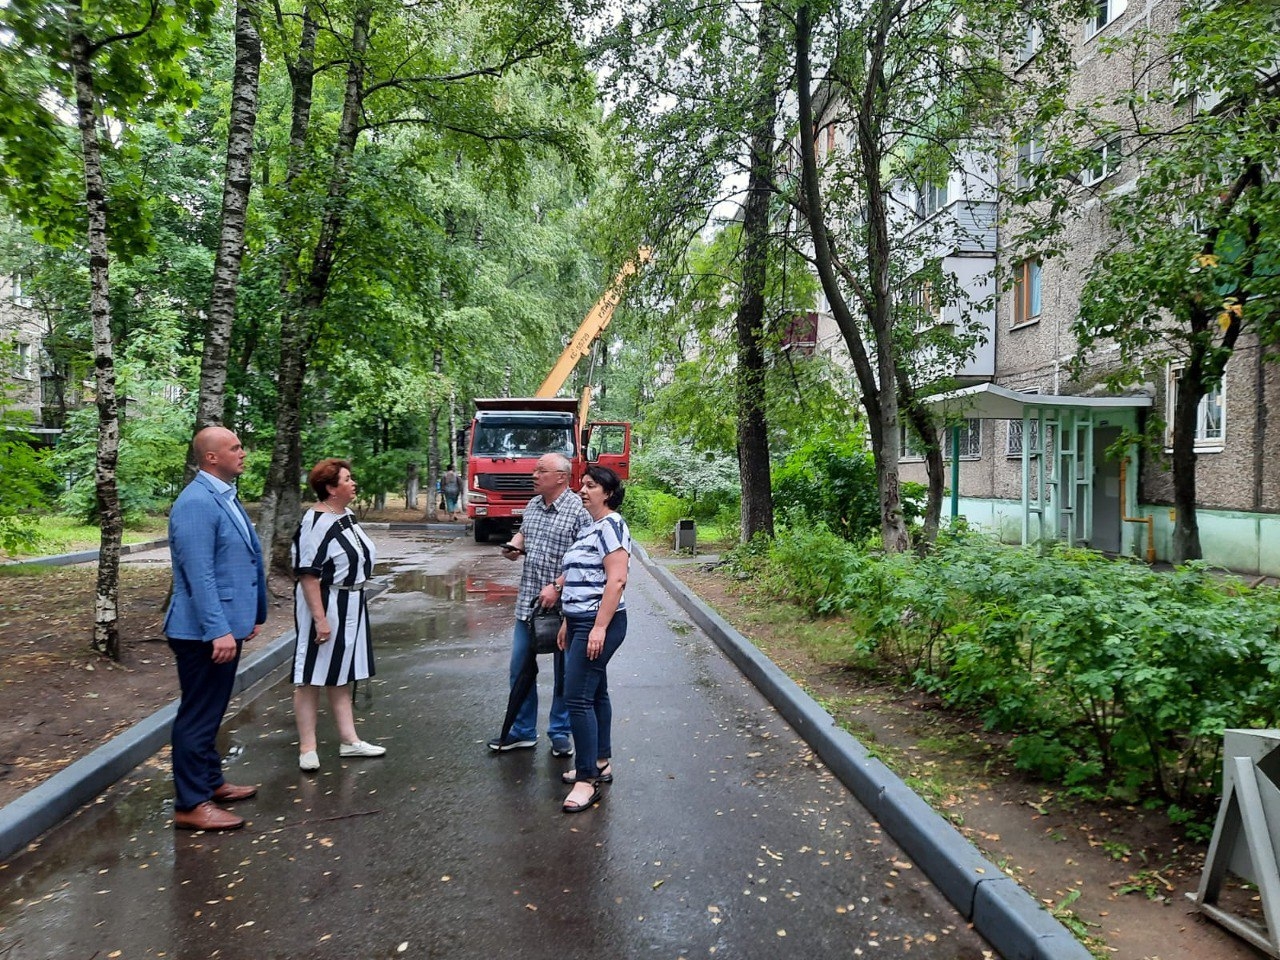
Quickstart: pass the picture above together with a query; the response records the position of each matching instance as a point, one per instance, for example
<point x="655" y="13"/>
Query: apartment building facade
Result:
<point x="1044" y="443"/>
<point x="21" y="344"/>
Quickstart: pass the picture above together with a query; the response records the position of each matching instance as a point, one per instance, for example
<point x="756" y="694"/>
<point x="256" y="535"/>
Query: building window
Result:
<point x="1013" y="445"/>
<point x="910" y="446"/>
<point x="970" y="445"/>
<point x="933" y="197"/>
<point x="1026" y="291"/>
<point x="1104" y="11"/>
<point x="1030" y="153"/>
<point x="1031" y="39"/>
<point x="927" y="307"/>
<point x="26" y="364"/>
<point x="1104" y="162"/>
<point x="1211" y="415"/>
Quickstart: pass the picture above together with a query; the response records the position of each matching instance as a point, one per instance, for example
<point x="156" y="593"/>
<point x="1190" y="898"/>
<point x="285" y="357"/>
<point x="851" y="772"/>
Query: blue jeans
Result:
<point x="586" y="688"/>
<point x="525" y="726"/>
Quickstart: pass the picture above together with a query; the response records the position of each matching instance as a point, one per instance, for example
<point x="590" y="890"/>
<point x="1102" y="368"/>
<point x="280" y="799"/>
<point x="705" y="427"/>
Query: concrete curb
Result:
<point x="1001" y="911"/>
<point x="86" y="556"/>
<point x="76" y="785"/>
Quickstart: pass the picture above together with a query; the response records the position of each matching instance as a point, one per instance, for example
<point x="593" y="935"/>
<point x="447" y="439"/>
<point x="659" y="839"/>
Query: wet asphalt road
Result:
<point x="722" y="835"/>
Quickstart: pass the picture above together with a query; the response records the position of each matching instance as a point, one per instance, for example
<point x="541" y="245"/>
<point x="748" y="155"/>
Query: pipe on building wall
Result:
<point x="1149" y="520"/>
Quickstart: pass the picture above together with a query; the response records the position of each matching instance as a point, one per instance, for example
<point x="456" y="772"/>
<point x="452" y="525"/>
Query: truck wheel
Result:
<point x="481" y="530"/>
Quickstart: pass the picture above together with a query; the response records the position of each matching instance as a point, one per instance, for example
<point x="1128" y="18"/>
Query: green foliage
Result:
<point x="652" y="511"/>
<point x="155" y="434"/>
<point x="26" y="476"/>
<point x="831" y="479"/>
<point x="688" y="475"/>
<point x="1112" y="678"/>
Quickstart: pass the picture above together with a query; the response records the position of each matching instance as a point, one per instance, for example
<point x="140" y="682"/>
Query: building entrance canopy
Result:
<point x="1057" y="452"/>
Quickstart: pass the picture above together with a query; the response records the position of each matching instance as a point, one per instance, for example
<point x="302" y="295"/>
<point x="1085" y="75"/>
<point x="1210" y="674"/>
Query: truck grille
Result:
<point x="521" y="483"/>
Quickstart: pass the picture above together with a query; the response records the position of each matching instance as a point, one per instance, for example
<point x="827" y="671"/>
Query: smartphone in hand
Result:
<point x="512" y="547"/>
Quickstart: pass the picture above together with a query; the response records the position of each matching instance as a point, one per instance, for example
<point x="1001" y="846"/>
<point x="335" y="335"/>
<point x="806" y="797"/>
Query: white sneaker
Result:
<point x="360" y="749"/>
<point x="309" y="761"/>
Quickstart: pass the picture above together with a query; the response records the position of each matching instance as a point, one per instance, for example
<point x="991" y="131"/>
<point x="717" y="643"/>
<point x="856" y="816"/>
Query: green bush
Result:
<point x="1109" y="675"/>
<point x="154" y="438"/>
<point x="652" y="512"/>
<point x="831" y="479"/>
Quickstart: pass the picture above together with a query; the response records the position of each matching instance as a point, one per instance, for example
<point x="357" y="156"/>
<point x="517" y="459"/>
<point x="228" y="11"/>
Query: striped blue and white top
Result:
<point x="584" y="577"/>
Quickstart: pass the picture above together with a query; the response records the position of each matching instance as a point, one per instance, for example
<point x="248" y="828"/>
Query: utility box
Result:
<point x="686" y="535"/>
<point x="1246" y="837"/>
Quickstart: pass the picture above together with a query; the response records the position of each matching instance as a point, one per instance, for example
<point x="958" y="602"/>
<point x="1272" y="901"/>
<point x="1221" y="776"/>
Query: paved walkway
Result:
<point x="722" y="836"/>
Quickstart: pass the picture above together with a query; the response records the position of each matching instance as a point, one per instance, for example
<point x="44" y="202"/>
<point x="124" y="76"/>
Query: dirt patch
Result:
<point x="60" y="699"/>
<point x="1116" y="875"/>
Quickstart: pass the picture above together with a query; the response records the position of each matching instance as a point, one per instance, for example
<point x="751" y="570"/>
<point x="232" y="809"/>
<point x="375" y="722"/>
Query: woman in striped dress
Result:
<point x="333" y="560"/>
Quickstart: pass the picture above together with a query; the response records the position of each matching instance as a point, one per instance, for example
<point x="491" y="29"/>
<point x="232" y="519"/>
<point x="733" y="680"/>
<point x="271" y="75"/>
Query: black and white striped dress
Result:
<point x="335" y="550"/>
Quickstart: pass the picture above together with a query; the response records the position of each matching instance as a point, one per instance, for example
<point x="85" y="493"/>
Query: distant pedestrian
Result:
<point x="552" y="520"/>
<point x="219" y="602"/>
<point x="333" y="560"/>
<point x="451" y="490"/>
<point x="595" y="624"/>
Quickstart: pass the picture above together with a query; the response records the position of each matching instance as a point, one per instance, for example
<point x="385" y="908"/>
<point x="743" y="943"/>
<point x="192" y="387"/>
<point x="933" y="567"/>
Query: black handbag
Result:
<point x="544" y="628"/>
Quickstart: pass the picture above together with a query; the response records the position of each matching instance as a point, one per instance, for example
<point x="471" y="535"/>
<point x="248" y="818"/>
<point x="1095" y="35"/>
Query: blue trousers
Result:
<point x="525" y="725"/>
<point x="206" y="691"/>
<point x="586" y="688"/>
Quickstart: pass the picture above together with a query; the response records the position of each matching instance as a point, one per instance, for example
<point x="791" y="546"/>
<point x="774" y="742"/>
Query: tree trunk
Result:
<point x="874" y="290"/>
<point x="281" y="502"/>
<point x="235" y="204"/>
<point x="411" y="487"/>
<point x="106" y="636"/>
<point x="752" y="425"/>
<point x="433" y="448"/>
<point x="1186" y="408"/>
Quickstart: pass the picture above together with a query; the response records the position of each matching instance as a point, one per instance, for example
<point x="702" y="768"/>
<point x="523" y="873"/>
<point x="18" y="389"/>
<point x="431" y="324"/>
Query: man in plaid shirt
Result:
<point x="552" y="521"/>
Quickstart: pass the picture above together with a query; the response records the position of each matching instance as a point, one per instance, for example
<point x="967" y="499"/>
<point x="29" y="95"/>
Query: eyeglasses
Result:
<point x="539" y="470"/>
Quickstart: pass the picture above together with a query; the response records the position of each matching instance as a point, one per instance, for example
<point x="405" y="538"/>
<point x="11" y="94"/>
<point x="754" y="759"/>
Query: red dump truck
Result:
<point x="509" y="434"/>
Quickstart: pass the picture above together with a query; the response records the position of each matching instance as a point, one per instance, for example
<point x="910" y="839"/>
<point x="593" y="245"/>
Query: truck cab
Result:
<point x="509" y="434"/>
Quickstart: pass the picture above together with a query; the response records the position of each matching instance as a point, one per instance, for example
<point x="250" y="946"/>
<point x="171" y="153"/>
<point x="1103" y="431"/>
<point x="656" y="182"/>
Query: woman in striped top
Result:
<point x="595" y="624"/>
<point x="333" y="561"/>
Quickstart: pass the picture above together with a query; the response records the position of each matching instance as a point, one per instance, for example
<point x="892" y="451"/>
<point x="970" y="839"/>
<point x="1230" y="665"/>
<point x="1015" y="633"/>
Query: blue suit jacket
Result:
<point x="219" y="581"/>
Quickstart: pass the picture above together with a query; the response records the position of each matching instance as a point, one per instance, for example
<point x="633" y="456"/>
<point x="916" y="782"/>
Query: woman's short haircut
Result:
<point x="325" y="475"/>
<point x="609" y="483"/>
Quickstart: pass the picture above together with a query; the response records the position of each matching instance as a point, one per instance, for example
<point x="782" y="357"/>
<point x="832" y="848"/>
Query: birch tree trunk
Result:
<point x="106" y="636"/>
<point x="235" y="205"/>
<point x="282" y="501"/>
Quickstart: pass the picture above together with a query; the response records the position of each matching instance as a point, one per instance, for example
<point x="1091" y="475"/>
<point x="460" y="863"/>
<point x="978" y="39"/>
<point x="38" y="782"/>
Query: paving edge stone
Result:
<point x="1007" y="916"/>
<point x="44" y="806"/>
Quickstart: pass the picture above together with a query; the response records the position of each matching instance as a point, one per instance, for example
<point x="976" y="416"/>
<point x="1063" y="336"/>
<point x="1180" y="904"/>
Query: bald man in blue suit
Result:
<point x="219" y="602"/>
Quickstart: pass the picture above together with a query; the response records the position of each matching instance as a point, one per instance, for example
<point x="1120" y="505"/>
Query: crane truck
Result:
<point x="509" y="434"/>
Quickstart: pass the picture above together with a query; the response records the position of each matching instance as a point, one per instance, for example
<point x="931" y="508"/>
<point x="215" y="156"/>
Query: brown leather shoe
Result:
<point x="206" y="817"/>
<point x="229" y="793"/>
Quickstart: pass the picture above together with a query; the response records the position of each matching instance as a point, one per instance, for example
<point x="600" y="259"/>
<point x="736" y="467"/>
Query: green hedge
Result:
<point x="1111" y="676"/>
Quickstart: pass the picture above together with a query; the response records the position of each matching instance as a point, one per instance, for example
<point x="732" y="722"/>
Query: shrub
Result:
<point x="831" y="479"/>
<point x="1110" y="675"/>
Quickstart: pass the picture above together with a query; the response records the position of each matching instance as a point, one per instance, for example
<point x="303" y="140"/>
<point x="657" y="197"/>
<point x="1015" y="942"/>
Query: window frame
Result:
<point x="1215" y="398"/>
<point x="1107" y="154"/>
<point x="908" y="452"/>
<point x="932" y="198"/>
<point x="1032" y="40"/>
<point x="1025" y="292"/>
<point x="1030" y="155"/>
<point x="1106" y="13"/>
<point x="970" y="450"/>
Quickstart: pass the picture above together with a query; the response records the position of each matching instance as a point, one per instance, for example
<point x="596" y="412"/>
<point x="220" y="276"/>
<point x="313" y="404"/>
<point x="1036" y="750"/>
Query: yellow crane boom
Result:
<point x="591" y="327"/>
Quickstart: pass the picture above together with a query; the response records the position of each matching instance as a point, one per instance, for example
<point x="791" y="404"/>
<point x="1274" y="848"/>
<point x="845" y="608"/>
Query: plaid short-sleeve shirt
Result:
<point x="549" y="531"/>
